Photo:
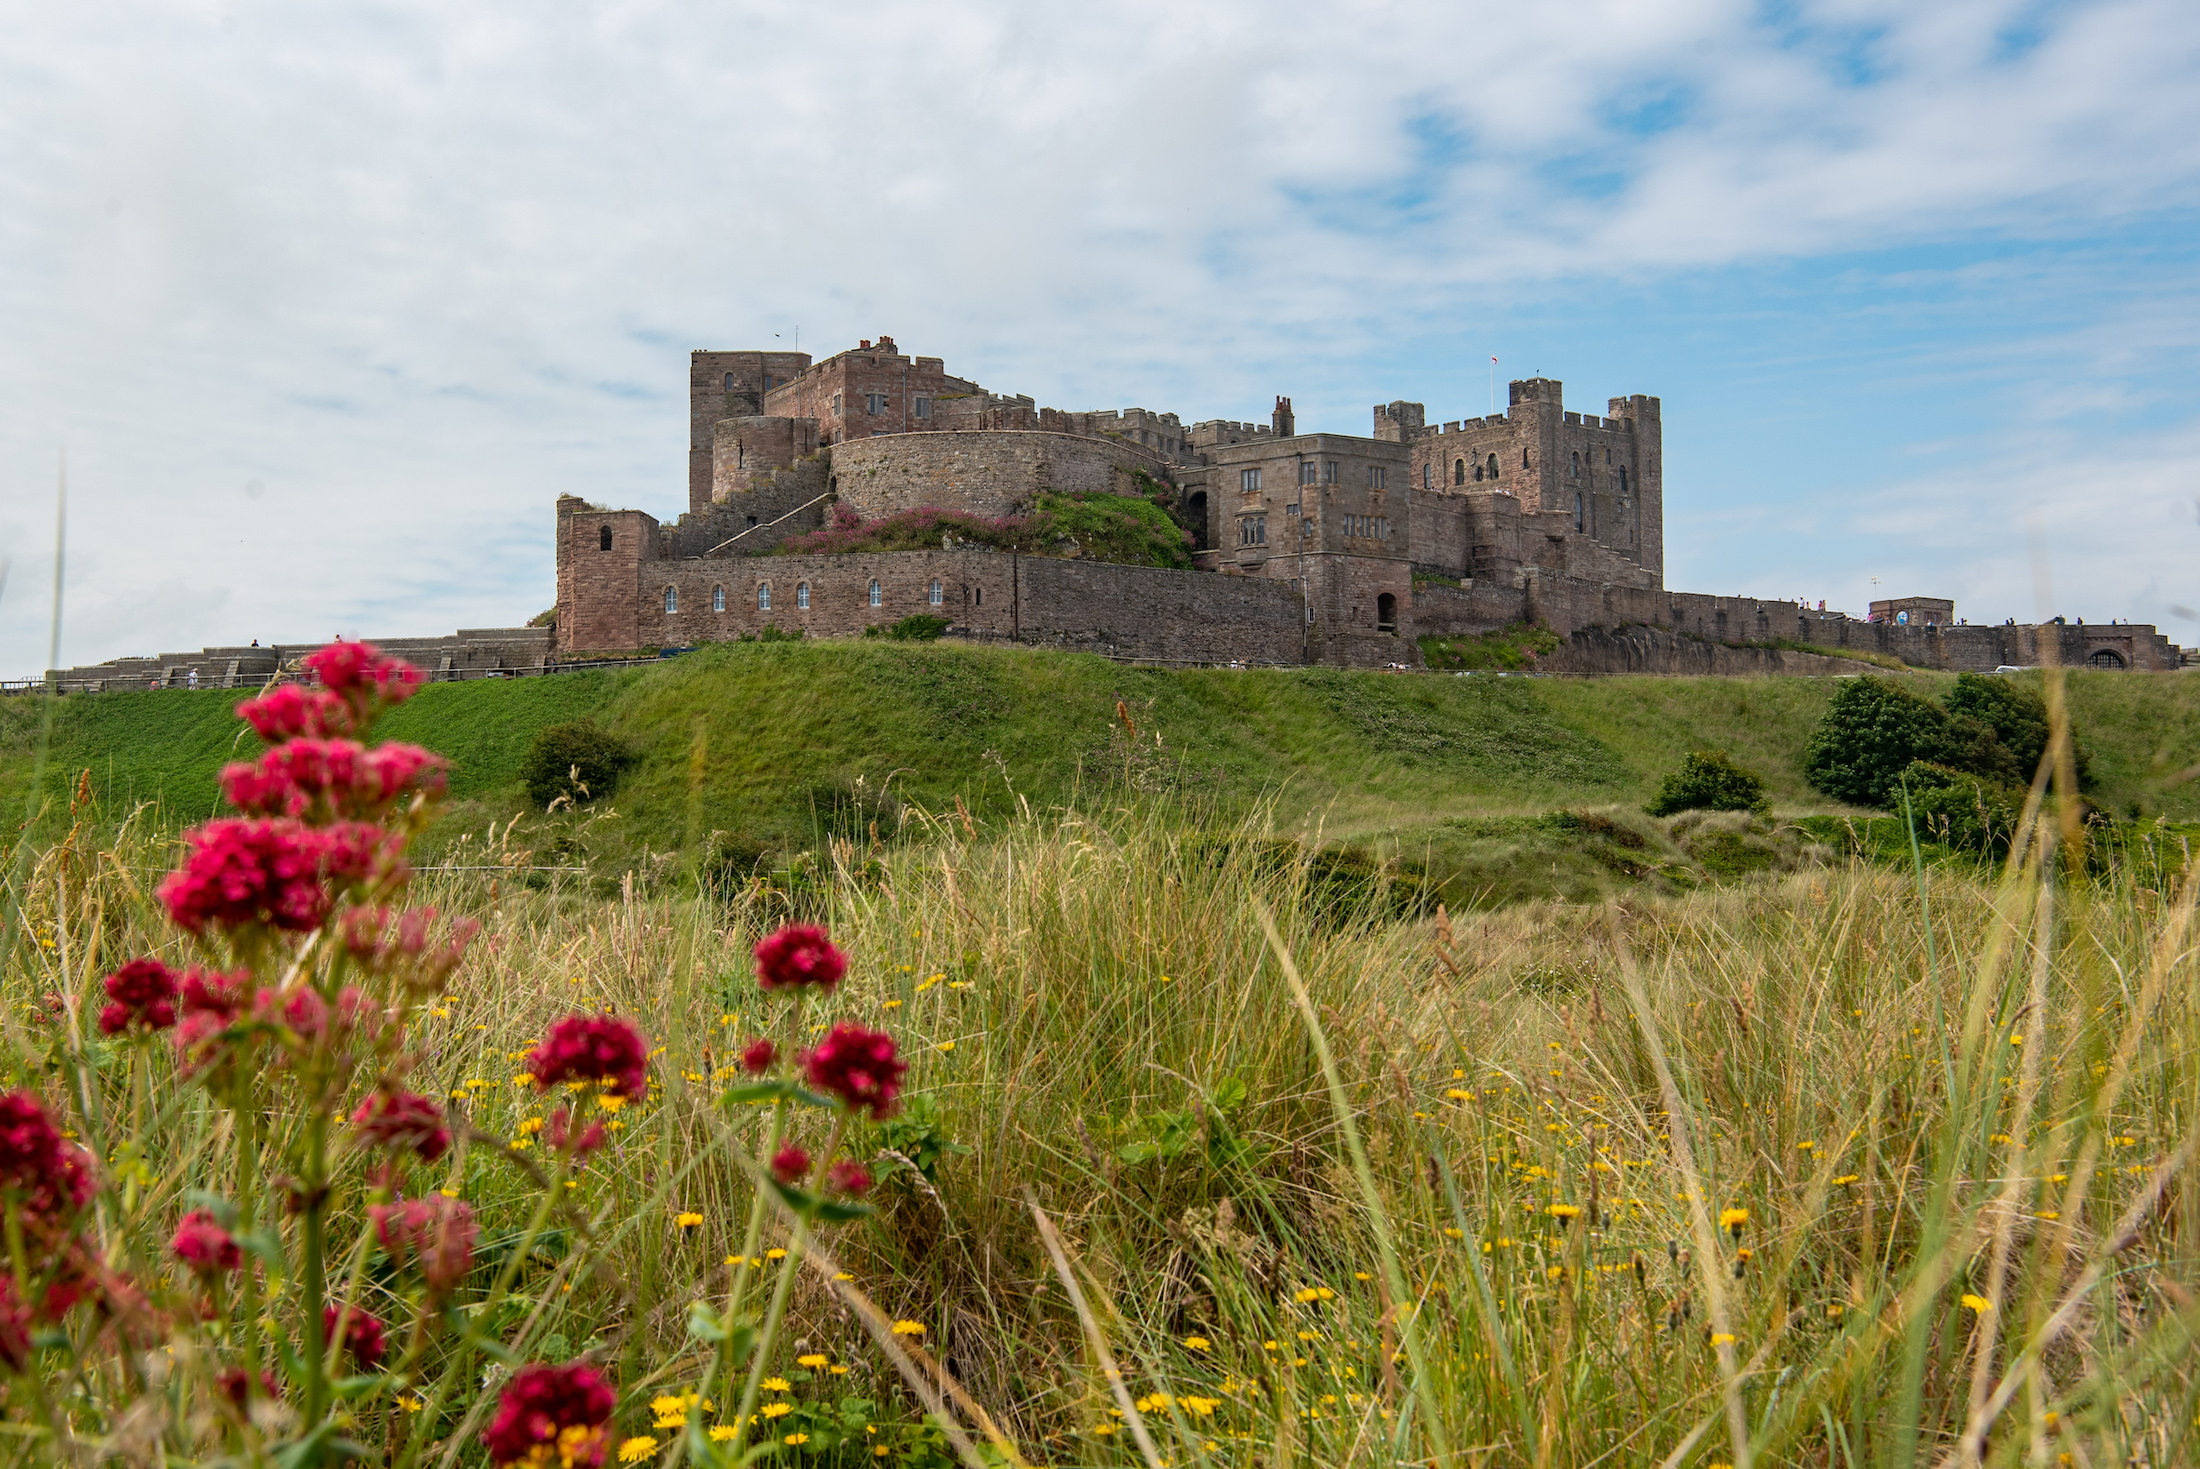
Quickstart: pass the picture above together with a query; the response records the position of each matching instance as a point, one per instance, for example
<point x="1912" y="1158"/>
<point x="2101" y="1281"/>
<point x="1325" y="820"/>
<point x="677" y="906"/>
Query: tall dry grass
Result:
<point x="1323" y="1187"/>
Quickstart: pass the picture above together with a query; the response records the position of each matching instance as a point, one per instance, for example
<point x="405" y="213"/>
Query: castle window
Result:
<point x="1380" y="476"/>
<point x="978" y="596"/>
<point x="923" y="408"/>
<point x="603" y="538"/>
<point x="802" y="597"/>
<point x="740" y="455"/>
<point x="1386" y="613"/>
<point x="764" y="596"/>
<point x="1577" y="467"/>
<point x="874" y="404"/>
<point x="1579" y="523"/>
<point x="1623" y="479"/>
<point x="1459" y="472"/>
<point x="874" y="594"/>
<point x="1523" y="459"/>
<point x="836" y="405"/>
<point x="2105" y="658"/>
<point x="752" y="523"/>
<point x="938" y="594"/>
<point x="729" y="382"/>
<point x="1329" y="472"/>
<point x="1493" y="466"/>
<point x="1253" y="530"/>
<point x="1428" y="475"/>
<point x="672" y="599"/>
<point x="717" y="599"/>
<point x="1249" y="480"/>
<point x="1306" y="471"/>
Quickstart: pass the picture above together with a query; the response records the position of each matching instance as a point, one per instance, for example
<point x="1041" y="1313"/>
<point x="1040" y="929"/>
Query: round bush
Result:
<point x="1709" y="781"/>
<point x="1873" y="729"/>
<point x="580" y="761"/>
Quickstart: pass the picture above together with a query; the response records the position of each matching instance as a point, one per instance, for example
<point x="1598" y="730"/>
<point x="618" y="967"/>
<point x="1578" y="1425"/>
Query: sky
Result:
<point x="326" y="304"/>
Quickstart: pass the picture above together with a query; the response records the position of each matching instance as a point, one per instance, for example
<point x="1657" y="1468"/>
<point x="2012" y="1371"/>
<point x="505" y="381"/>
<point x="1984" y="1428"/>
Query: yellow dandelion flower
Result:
<point x="838" y="1369"/>
<point x="777" y="1410"/>
<point x="529" y="1126"/>
<point x="721" y="1432"/>
<point x="890" y="1005"/>
<point x="813" y="1360"/>
<point x="796" y="1438"/>
<point x="908" y="1328"/>
<point x="1846" y="1179"/>
<point x="1978" y="1304"/>
<point x="881" y="1451"/>
<point x="1451" y="1233"/>
<point x="778" y="1384"/>
<point x="1204" y="1407"/>
<point x="1805" y="1147"/>
<point x="688" y="1219"/>
<point x="1457" y="1095"/>
<point x="1723" y="1339"/>
<point x="1198" y="1343"/>
<point x="634" y="1450"/>
<point x="944" y="1046"/>
<point x="775" y="1254"/>
<point x="1732" y="1220"/>
<point x="843" y="1275"/>
<point x="1563" y="1211"/>
<point x="1361" y="1275"/>
<point x="1101" y="1430"/>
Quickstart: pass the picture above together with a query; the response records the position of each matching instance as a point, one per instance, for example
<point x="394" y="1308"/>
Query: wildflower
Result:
<point x="1723" y="1339"/>
<point x="1732" y="1220"/>
<point x="383" y="942"/>
<point x="563" y="1137"/>
<point x="636" y="1449"/>
<point x="239" y="872"/>
<point x="859" y="1067"/>
<point x="777" y="1410"/>
<point x="587" y="1048"/>
<point x="290" y="712"/>
<point x="796" y="1439"/>
<point x="757" y="1057"/>
<point x="1563" y="1211"/>
<point x="790" y="1163"/>
<point x="813" y="1360"/>
<point x="141" y="992"/>
<point x="238" y="1386"/>
<point x="363" y="676"/>
<point x="1846" y="1179"/>
<point x="797" y="957"/>
<point x="848" y="1177"/>
<point x="201" y="1243"/>
<point x="1204" y="1407"/>
<point x="775" y="1254"/>
<point x="364" y="1336"/>
<point x="1198" y="1343"/>
<point x="778" y="1384"/>
<point x="1457" y="1095"/>
<point x="721" y="1432"/>
<point x="688" y="1219"/>
<point x="1977" y="1304"/>
<point x="546" y="1410"/>
<point x="395" y="1119"/>
<point x="439" y="1233"/>
<point x="47" y="1177"/>
<point x="944" y="1046"/>
<point x="908" y="1328"/>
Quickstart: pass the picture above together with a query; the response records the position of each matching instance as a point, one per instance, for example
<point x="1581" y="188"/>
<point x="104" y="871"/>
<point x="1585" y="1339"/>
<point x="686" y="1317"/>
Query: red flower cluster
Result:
<point x="798" y="956"/>
<point x="438" y="1232"/>
<point x="858" y="1066"/>
<point x="235" y="1384"/>
<point x="848" y="1177"/>
<point x="241" y="872"/>
<point x="204" y="1245"/>
<point x="394" y="1119"/>
<point x="365" y="1337"/>
<point x="593" y="1048"/>
<point x="382" y="942"/>
<point x="293" y="712"/>
<point x="546" y="1411"/>
<point x="45" y="1177"/>
<point x="362" y="673"/>
<point x="331" y="778"/>
<point x="758" y="1055"/>
<point x="211" y="1004"/>
<point x="562" y="1138"/>
<point x="141" y="992"/>
<point x="790" y="1163"/>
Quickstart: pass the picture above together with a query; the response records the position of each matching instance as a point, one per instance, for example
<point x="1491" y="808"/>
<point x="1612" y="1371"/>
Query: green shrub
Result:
<point x="581" y="761"/>
<point x="772" y="632"/>
<point x="1959" y="809"/>
<point x="2017" y="715"/>
<point x="1873" y="729"/>
<point x="1516" y="646"/>
<point x="1709" y="781"/>
<point x="1126" y="529"/>
<point x="917" y="627"/>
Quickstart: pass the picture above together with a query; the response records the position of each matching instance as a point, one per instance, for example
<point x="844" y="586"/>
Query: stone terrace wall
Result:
<point x="979" y="471"/>
<point x="468" y="653"/>
<point x="1124" y="611"/>
<point x="1655" y="650"/>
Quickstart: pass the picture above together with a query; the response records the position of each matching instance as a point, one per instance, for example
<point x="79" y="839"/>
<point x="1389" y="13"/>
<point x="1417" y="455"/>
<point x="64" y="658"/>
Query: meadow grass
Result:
<point x="1324" y="1186"/>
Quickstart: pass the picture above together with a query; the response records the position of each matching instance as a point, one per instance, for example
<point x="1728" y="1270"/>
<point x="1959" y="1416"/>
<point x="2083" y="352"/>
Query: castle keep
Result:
<point x="1311" y="547"/>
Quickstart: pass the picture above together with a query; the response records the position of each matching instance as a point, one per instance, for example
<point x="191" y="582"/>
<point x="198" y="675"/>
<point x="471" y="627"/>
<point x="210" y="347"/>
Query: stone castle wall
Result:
<point x="467" y="653"/>
<point x="982" y="472"/>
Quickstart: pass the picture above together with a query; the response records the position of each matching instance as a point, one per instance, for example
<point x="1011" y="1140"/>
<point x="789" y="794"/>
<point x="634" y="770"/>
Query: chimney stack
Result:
<point x="1285" y="427"/>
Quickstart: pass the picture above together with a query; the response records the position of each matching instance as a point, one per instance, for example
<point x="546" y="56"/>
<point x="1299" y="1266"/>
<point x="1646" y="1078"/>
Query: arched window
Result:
<point x="1524" y="459"/>
<point x="874" y="594"/>
<point x="603" y="538"/>
<point x="729" y="382"/>
<point x="1428" y="476"/>
<point x="1623" y="479"/>
<point x="763" y="596"/>
<point x="1577" y="467"/>
<point x="717" y="599"/>
<point x="1493" y="466"/>
<point x="802" y="597"/>
<point x="672" y="599"/>
<point x="1386" y="613"/>
<point x="938" y="594"/>
<point x="1459" y="472"/>
<point x="2105" y="658"/>
<point x="1579" y="523"/>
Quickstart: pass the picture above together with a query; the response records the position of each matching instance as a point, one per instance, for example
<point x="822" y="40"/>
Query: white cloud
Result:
<point x="419" y="268"/>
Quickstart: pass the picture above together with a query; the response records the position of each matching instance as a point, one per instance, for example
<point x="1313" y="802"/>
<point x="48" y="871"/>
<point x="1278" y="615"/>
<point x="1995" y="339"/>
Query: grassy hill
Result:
<point x="777" y="746"/>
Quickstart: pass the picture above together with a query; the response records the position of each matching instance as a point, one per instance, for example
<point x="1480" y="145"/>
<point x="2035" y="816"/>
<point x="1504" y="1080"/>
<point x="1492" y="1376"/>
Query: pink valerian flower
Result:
<point x="395" y="1119"/>
<point x="44" y="1178"/>
<point x="298" y="1009"/>
<point x="201" y="1243"/>
<point x="797" y="957"/>
<point x="758" y="1055"/>
<point x="437" y="1232"/>
<point x="212" y="1002"/>
<point x="361" y="854"/>
<point x="236" y="1384"/>
<point x="848" y="1177"/>
<point x="142" y="992"/>
<point x="362" y="672"/>
<point x="562" y="1138"/>
<point x="364" y="1335"/>
<point x="16" y="1324"/>
<point x="382" y="942"/>
<point x="858" y="1066"/>
<point x="548" y="1412"/>
<point x="239" y="873"/>
<point x="331" y="778"/>
<point x="790" y="1163"/>
<point x="292" y="711"/>
<point x="593" y="1048"/>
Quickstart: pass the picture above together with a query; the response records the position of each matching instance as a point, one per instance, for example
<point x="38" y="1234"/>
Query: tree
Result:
<point x="1873" y="729"/>
<point x="581" y="761"/>
<point x="1709" y="781"/>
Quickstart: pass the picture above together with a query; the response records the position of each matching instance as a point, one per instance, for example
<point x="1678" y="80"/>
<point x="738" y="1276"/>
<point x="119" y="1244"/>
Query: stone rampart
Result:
<point x="981" y="472"/>
<point x="467" y="653"/>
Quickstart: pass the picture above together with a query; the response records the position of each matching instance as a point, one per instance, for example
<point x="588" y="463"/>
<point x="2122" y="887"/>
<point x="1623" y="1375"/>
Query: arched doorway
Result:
<point x="1386" y="613"/>
<point x="2105" y="658"/>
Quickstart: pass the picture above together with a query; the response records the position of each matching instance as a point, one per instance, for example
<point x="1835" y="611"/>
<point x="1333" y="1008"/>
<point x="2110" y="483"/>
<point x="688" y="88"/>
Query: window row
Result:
<point x="1253" y="530"/>
<point x="936" y="595"/>
<point x="1368" y="527"/>
<point x="877" y="405"/>
<point x="1576" y="474"/>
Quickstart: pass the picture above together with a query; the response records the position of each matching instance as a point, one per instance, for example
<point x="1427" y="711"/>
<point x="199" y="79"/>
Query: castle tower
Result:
<point x="1641" y="414"/>
<point x="728" y="385"/>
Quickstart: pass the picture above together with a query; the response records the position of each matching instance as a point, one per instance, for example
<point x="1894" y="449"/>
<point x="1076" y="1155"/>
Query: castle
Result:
<point x="1311" y="548"/>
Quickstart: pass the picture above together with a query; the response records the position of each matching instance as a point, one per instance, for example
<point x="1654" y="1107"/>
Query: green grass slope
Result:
<point x="778" y="745"/>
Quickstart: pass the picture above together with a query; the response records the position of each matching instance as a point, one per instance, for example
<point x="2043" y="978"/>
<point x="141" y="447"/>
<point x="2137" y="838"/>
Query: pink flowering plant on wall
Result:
<point x="335" y="1294"/>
